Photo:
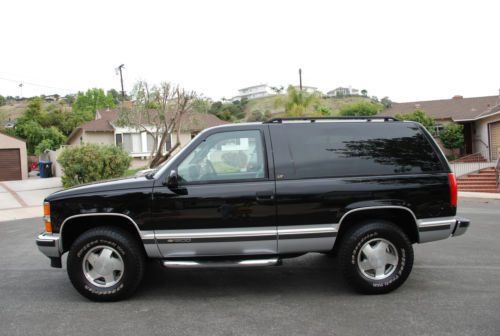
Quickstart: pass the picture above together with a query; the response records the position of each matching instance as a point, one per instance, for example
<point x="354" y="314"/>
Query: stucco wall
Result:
<point x="100" y="138"/>
<point x="7" y="142"/>
<point x="481" y="136"/>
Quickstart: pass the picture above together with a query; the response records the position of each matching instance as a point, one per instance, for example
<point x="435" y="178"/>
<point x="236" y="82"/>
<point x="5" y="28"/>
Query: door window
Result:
<point x="237" y="155"/>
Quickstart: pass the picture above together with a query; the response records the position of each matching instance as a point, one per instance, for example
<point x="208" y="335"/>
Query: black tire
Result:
<point x="371" y="233"/>
<point x="122" y="243"/>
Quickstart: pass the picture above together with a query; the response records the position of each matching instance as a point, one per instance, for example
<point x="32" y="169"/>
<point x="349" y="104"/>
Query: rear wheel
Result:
<point x="106" y="264"/>
<point x="376" y="257"/>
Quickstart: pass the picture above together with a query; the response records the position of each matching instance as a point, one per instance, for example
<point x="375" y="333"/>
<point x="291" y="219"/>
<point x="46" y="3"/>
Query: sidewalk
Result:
<point x="24" y="198"/>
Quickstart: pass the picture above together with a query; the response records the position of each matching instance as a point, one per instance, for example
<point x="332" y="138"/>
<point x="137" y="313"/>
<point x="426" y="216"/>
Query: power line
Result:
<point x="34" y="84"/>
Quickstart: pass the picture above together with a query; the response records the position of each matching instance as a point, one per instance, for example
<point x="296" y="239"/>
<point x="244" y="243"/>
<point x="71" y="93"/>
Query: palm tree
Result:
<point x="296" y="102"/>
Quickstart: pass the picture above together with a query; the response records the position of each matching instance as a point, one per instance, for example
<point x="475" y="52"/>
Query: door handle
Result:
<point x="264" y="196"/>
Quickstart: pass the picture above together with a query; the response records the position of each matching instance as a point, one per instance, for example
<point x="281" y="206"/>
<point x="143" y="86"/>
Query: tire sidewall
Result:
<point x="75" y="267"/>
<point x="366" y="233"/>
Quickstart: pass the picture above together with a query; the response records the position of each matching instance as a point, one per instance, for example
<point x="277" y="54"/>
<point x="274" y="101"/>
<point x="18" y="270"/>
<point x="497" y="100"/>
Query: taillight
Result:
<point x="46" y="217"/>
<point x="453" y="189"/>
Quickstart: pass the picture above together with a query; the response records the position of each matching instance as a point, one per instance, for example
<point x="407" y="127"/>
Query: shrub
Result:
<point x="452" y="136"/>
<point x="361" y="109"/>
<point x="419" y="116"/>
<point x="91" y="162"/>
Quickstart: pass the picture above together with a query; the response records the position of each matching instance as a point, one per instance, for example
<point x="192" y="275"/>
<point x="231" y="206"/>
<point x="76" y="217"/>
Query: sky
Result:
<point x="407" y="50"/>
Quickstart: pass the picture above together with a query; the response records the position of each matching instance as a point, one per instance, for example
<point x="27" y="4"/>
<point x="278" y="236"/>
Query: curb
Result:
<point x="468" y="194"/>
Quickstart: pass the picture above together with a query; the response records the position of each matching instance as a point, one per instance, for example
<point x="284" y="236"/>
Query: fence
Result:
<point x="472" y="163"/>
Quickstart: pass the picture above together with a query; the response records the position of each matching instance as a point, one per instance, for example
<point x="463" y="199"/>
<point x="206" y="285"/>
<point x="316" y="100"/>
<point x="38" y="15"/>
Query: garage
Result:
<point x="13" y="159"/>
<point x="495" y="140"/>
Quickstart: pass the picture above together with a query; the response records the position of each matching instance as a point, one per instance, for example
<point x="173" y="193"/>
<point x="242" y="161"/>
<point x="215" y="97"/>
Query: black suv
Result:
<point x="361" y="189"/>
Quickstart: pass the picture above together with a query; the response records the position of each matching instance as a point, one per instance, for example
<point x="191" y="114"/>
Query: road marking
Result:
<point x="15" y="195"/>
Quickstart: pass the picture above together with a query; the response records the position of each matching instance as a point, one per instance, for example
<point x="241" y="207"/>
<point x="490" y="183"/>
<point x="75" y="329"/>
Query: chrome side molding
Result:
<point x="220" y="263"/>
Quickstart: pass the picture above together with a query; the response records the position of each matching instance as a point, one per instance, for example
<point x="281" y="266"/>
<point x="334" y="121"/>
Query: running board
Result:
<point x="221" y="263"/>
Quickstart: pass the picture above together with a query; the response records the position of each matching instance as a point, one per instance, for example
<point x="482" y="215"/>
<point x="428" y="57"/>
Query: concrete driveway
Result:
<point x="24" y="198"/>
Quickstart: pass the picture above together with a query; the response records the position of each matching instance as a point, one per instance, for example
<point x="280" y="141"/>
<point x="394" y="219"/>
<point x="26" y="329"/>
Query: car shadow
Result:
<point x="309" y="274"/>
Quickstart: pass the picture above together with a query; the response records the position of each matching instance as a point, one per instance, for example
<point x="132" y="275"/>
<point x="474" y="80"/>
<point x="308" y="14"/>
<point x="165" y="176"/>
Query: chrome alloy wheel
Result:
<point x="378" y="259"/>
<point x="103" y="266"/>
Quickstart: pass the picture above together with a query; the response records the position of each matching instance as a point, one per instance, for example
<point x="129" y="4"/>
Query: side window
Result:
<point x="237" y="155"/>
<point x="352" y="149"/>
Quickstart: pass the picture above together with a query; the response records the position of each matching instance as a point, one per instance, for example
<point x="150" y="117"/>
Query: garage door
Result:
<point x="495" y="140"/>
<point x="10" y="165"/>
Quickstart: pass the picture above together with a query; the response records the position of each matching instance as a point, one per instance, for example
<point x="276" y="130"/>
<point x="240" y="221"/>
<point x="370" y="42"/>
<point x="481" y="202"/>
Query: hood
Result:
<point x="135" y="182"/>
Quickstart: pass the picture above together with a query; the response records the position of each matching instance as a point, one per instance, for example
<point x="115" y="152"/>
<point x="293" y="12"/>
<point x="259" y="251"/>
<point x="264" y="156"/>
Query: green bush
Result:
<point x="91" y="162"/>
<point x="361" y="109"/>
<point x="452" y="136"/>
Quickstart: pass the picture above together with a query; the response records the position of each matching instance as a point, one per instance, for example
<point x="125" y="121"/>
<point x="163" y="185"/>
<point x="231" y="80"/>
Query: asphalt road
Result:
<point x="454" y="289"/>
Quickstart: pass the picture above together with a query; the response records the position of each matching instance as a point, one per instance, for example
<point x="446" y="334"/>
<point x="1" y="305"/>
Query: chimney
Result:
<point x="457" y="97"/>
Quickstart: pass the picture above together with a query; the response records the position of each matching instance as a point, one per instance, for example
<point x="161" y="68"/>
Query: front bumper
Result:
<point x="432" y="229"/>
<point x="50" y="245"/>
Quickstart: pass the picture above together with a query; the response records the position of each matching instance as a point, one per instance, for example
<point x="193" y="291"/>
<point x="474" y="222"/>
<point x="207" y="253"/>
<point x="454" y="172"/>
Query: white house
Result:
<point x="252" y="92"/>
<point x="343" y="91"/>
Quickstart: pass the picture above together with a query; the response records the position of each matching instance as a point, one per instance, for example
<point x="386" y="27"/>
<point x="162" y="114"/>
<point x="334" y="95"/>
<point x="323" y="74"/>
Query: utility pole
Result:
<point x="21" y="86"/>
<point x="300" y="79"/>
<point x="121" y="79"/>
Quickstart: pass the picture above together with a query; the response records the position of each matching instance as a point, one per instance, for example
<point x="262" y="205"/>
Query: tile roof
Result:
<point x="456" y="109"/>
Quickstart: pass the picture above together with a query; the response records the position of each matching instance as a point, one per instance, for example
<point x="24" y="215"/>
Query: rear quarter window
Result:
<point x="316" y="150"/>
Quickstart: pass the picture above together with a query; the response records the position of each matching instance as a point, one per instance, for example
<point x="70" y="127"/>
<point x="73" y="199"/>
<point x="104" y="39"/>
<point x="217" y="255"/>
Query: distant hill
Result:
<point x="268" y="104"/>
<point x="15" y="109"/>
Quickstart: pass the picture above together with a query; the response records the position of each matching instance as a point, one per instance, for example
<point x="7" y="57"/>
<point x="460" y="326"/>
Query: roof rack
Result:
<point x="313" y="119"/>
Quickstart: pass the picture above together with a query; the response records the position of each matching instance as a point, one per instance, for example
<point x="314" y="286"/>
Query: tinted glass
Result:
<point x="352" y="149"/>
<point x="237" y="155"/>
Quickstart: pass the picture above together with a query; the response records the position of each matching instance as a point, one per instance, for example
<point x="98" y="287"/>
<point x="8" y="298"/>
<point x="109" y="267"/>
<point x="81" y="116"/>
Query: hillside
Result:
<point x="268" y="104"/>
<point x="14" y="109"/>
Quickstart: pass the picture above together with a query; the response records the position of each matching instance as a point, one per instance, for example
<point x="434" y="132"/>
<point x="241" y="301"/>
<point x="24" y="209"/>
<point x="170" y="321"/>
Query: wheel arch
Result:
<point x="401" y="216"/>
<point x="74" y="226"/>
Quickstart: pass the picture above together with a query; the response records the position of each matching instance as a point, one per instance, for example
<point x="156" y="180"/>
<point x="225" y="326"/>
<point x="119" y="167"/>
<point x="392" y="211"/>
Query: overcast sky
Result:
<point x="407" y="51"/>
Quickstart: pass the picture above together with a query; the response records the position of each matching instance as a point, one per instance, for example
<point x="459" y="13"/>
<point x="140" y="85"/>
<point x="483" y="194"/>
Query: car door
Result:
<point x="223" y="203"/>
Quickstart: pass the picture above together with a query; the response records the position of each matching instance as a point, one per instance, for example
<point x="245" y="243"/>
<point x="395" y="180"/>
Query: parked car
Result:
<point x="361" y="189"/>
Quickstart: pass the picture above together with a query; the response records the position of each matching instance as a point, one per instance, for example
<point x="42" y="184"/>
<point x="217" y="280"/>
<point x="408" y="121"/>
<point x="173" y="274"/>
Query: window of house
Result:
<point x="119" y="140"/>
<point x="127" y="142"/>
<point x="237" y="155"/>
<point x="150" y="142"/>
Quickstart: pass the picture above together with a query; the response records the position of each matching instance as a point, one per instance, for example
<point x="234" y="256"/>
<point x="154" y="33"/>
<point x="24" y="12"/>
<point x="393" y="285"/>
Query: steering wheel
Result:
<point x="210" y="167"/>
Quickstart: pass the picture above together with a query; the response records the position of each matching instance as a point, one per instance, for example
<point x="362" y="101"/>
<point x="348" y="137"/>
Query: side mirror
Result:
<point x="173" y="179"/>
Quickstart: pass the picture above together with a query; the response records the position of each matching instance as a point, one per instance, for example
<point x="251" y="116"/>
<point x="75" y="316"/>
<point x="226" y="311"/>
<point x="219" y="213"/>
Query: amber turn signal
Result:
<point x="46" y="217"/>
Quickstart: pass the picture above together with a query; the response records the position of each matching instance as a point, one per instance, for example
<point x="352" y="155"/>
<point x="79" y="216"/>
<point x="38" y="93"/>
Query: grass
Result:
<point x="132" y="172"/>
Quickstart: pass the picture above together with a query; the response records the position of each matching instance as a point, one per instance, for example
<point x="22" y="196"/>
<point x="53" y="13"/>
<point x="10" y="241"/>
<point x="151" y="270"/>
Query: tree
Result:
<point x="297" y="102"/>
<point x="35" y="134"/>
<point x="201" y="105"/>
<point x="173" y="104"/>
<point x="2" y="100"/>
<point x="361" y="109"/>
<point x="452" y="136"/>
<point x="86" y="104"/>
<point x="257" y="115"/>
<point x="233" y="111"/>
<point x="364" y="92"/>
<point x="419" y="116"/>
<point x="386" y="102"/>
<point x="116" y="96"/>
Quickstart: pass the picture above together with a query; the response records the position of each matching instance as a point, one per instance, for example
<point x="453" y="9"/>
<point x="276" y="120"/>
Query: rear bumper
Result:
<point x="50" y="245"/>
<point x="461" y="227"/>
<point x="431" y="229"/>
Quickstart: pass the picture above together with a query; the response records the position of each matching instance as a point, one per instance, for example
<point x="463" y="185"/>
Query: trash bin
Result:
<point x="45" y="168"/>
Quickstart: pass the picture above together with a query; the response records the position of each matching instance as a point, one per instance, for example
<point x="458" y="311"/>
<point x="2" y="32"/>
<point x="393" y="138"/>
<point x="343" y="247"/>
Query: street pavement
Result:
<point x="454" y="289"/>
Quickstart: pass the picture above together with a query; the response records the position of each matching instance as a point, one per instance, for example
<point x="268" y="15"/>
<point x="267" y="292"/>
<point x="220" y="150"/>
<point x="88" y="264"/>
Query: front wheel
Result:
<point x="376" y="257"/>
<point x="105" y="264"/>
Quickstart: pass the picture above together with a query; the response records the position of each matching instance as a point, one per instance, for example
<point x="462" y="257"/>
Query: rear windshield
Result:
<point x="316" y="150"/>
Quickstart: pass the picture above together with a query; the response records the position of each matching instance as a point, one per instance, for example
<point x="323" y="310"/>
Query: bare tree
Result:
<point x="158" y="111"/>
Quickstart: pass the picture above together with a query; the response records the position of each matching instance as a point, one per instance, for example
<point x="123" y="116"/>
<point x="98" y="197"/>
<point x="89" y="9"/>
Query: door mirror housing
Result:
<point x="172" y="179"/>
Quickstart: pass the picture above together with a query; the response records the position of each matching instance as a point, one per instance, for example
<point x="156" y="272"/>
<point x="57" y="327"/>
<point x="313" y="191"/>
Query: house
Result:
<point x="308" y="89"/>
<point x="480" y="117"/>
<point x="103" y="130"/>
<point x="252" y="92"/>
<point x="343" y="91"/>
<point x="13" y="158"/>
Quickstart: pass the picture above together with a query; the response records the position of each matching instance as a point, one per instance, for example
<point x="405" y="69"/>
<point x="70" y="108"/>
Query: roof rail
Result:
<point x="313" y="119"/>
